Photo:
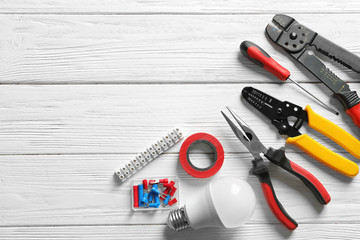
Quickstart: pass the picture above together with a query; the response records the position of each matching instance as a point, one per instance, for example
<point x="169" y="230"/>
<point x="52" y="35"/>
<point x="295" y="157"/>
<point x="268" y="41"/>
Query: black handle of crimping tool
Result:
<point x="278" y="157"/>
<point x="261" y="171"/>
<point x="351" y="103"/>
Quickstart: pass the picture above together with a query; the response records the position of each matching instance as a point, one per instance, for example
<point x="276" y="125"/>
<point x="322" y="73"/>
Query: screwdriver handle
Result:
<point x="257" y="55"/>
<point x="277" y="156"/>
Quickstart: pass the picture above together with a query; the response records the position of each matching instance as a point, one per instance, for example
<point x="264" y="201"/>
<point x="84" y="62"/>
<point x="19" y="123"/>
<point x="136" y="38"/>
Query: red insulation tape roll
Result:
<point x="213" y="143"/>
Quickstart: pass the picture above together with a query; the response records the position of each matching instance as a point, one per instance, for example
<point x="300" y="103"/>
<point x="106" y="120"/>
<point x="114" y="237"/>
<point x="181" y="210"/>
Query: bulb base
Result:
<point x="177" y="219"/>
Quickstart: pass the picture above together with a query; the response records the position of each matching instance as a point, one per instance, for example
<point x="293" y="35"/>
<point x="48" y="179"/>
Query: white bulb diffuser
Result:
<point x="226" y="202"/>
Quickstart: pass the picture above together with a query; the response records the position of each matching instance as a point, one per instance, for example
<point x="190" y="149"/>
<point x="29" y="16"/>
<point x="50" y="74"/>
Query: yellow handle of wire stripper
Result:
<point x="334" y="132"/>
<point x="325" y="155"/>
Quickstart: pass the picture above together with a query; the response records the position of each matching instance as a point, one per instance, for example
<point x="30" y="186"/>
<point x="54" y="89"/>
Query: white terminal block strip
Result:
<point x="149" y="154"/>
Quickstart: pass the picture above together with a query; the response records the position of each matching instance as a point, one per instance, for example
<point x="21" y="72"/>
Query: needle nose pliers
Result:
<point x="260" y="169"/>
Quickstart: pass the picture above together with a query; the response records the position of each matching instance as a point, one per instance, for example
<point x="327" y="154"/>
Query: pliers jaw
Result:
<point x="244" y="133"/>
<point x="247" y="136"/>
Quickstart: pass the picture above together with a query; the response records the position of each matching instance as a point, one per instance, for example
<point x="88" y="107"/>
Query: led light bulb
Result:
<point x="226" y="202"/>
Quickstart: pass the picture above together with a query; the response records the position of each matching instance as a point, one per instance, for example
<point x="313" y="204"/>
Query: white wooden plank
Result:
<point x="152" y="48"/>
<point x="186" y="6"/>
<point x="61" y="119"/>
<point x="81" y="190"/>
<point x="248" y="231"/>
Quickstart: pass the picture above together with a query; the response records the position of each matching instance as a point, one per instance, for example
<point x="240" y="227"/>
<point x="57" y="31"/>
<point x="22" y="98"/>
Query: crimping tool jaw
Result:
<point x="289" y="34"/>
<point x="273" y="32"/>
<point x="283" y="20"/>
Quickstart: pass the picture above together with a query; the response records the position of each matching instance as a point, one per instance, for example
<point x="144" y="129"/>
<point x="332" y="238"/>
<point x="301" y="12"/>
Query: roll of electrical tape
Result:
<point x="216" y="147"/>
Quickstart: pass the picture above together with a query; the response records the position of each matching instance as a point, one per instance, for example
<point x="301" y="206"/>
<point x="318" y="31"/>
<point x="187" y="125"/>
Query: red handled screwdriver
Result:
<point x="257" y="55"/>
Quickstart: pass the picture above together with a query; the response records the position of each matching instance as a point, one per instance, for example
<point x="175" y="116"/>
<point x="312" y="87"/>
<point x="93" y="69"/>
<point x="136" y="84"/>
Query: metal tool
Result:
<point x="279" y="113"/>
<point x="260" y="169"/>
<point x="257" y="55"/>
<point x="297" y="39"/>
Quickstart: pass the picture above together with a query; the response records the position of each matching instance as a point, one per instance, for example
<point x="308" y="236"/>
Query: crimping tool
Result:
<point x="279" y="112"/>
<point x="296" y="39"/>
<point x="260" y="169"/>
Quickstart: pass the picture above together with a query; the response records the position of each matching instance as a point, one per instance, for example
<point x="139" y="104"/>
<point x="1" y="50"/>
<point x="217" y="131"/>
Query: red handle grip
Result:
<point x="274" y="204"/>
<point x="311" y="182"/>
<point x="354" y="113"/>
<point x="261" y="58"/>
<point x="278" y="157"/>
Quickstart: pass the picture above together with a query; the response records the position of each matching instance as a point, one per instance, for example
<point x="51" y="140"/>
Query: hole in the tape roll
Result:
<point x="201" y="155"/>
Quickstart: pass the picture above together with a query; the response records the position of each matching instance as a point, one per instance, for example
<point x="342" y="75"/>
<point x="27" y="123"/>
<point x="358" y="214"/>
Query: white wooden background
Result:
<point x="87" y="84"/>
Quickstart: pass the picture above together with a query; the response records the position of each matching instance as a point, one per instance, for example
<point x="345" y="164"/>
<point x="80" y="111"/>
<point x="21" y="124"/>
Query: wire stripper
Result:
<point x="279" y="112"/>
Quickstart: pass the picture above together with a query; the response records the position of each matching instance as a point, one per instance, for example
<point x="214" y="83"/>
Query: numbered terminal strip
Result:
<point x="148" y="155"/>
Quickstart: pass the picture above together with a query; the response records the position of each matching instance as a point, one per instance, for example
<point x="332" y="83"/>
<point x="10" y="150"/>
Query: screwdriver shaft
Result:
<point x="261" y="58"/>
<point x="326" y="106"/>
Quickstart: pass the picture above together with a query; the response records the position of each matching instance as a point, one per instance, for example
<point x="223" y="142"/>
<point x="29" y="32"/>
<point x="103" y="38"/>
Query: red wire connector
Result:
<point x="173" y="190"/>
<point x="172" y="202"/>
<point x="165" y="193"/>
<point x="145" y="184"/>
<point x="136" y="196"/>
<point x="164" y="180"/>
<point x="169" y="185"/>
<point x="158" y="181"/>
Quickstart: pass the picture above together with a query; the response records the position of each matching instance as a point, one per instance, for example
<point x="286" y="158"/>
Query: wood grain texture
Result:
<point x="84" y="49"/>
<point x="75" y="189"/>
<point x="85" y="85"/>
<point x="63" y="119"/>
<point x="173" y="7"/>
<point x="249" y="231"/>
